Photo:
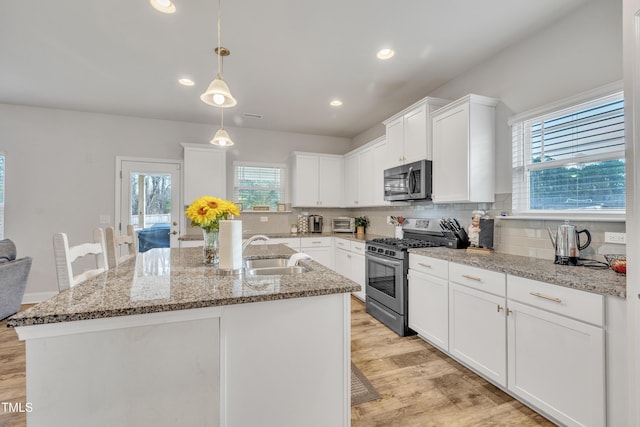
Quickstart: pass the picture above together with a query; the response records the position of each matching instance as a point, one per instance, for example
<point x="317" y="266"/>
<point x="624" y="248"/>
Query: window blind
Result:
<point x="259" y="184"/>
<point x="571" y="159"/>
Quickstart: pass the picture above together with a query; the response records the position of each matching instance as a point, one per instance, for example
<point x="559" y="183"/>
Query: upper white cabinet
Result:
<point x="363" y="173"/>
<point x="205" y="172"/>
<point x="409" y="132"/>
<point x="316" y="179"/>
<point x="463" y="151"/>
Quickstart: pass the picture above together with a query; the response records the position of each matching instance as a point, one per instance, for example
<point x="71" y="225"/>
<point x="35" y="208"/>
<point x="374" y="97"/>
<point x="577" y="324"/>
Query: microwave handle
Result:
<point x="411" y="182"/>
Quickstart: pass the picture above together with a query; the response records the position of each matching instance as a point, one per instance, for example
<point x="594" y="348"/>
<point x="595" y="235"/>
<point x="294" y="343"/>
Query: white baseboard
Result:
<point x="36" y="297"/>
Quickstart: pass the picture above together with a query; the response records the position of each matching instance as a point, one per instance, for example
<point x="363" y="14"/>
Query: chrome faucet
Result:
<point x="253" y="239"/>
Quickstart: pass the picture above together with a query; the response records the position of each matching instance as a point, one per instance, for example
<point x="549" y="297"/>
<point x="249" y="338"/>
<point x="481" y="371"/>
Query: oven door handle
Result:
<point x="385" y="260"/>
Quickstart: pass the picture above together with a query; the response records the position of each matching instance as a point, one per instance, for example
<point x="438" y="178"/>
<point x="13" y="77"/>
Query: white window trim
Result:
<point x="285" y="175"/>
<point x="569" y="102"/>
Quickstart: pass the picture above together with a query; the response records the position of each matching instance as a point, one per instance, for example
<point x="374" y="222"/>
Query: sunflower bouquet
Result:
<point x="207" y="211"/>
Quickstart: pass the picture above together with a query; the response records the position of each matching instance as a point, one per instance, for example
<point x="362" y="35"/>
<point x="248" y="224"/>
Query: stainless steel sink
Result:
<point x="276" y="271"/>
<point x="268" y="262"/>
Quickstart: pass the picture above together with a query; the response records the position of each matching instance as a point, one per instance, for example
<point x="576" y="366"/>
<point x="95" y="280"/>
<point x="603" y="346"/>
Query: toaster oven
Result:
<point x="343" y="225"/>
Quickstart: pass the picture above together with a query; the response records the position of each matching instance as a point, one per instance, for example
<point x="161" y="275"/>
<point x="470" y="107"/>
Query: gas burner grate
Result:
<point x="404" y="243"/>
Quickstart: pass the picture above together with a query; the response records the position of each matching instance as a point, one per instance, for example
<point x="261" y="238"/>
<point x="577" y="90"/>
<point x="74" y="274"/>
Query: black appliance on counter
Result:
<point x="408" y="182"/>
<point x="387" y="265"/>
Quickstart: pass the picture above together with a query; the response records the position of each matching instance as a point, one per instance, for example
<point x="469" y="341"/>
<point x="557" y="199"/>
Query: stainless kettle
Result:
<point x="566" y="241"/>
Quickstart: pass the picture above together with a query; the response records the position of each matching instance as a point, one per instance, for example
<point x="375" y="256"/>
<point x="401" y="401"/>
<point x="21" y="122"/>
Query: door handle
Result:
<point x="174" y="232"/>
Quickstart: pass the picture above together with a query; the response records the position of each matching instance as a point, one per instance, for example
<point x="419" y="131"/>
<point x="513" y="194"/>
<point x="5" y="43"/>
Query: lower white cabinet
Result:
<point x="318" y="248"/>
<point x="429" y="300"/>
<point x="349" y="261"/>
<point x="543" y="343"/>
<point x="557" y="363"/>
<point x="477" y="334"/>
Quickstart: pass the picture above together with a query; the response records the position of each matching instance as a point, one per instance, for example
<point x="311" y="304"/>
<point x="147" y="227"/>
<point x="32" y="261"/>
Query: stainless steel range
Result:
<point x="387" y="265"/>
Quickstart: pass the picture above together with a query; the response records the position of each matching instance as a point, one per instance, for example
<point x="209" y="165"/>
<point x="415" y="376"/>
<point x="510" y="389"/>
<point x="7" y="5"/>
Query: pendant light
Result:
<point x="218" y="93"/>
<point x="221" y="137"/>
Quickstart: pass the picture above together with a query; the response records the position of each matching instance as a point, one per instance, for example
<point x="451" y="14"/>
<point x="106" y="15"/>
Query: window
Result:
<point x="259" y="184"/>
<point x="571" y="159"/>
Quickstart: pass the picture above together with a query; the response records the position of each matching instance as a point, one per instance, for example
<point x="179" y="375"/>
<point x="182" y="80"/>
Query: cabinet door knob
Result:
<point x="499" y="308"/>
<point x="509" y="311"/>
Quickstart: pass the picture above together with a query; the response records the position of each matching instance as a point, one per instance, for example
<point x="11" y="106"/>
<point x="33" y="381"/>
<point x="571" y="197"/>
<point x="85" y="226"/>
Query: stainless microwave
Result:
<point x="343" y="225"/>
<point x="408" y="182"/>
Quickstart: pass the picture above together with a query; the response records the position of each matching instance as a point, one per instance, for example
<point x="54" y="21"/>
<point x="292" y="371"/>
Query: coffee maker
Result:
<point x="315" y="223"/>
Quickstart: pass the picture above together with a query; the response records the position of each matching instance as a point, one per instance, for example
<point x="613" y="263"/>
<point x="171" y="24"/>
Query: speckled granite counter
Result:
<point x="175" y="279"/>
<point x="601" y="281"/>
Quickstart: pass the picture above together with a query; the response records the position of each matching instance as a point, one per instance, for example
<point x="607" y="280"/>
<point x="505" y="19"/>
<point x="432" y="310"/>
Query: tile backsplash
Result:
<point x="525" y="237"/>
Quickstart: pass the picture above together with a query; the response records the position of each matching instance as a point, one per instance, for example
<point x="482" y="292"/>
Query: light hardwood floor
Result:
<point x="422" y="387"/>
<point x="419" y="385"/>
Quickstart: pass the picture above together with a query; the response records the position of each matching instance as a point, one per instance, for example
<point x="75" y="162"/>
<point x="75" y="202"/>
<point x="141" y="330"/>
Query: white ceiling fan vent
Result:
<point x="252" y="116"/>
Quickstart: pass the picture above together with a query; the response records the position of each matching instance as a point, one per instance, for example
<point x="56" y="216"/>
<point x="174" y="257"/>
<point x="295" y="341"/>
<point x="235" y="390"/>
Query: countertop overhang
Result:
<point x="176" y="279"/>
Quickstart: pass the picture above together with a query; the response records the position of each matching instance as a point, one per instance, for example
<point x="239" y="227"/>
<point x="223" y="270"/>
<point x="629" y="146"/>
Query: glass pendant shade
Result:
<point x="222" y="138"/>
<point x="218" y="94"/>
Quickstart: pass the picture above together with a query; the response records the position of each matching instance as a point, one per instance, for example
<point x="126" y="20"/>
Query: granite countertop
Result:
<point x="176" y="279"/>
<point x="600" y="281"/>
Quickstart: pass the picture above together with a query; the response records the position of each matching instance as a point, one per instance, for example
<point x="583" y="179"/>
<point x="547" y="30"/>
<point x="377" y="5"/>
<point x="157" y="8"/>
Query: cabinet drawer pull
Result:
<point x="536" y="294"/>
<point x="316" y="242"/>
<point x="467" y="276"/>
<point x="349" y="256"/>
<point x="424" y="265"/>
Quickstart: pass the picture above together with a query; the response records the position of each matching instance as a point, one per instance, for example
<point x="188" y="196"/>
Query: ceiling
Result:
<point x="289" y="58"/>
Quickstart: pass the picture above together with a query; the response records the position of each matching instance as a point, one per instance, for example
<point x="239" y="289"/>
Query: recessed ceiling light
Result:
<point x="164" y="6"/>
<point x="335" y="103"/>
<point x="186" y="82"/>
<point x="385" y="53"/>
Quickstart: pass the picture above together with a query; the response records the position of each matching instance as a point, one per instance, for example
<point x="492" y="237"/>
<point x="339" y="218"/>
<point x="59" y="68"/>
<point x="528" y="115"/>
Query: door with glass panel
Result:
<point x="149" y="195"/>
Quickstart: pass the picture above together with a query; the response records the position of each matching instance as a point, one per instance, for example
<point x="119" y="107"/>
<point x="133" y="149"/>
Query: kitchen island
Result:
<point x="162" y="340"/>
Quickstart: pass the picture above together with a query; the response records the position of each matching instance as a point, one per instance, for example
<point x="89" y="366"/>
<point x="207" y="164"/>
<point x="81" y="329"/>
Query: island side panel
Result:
<point x="286" y="363"/>
<point x="163" y="374"/>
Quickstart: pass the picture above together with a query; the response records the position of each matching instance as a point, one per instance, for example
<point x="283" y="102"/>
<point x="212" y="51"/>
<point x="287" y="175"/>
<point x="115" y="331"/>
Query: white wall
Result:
<point x="60" y="170"/>
<point x="631" y="26"/>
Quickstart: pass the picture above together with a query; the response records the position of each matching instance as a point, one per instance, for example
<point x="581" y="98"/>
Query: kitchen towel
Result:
<point x="230" y="241"/>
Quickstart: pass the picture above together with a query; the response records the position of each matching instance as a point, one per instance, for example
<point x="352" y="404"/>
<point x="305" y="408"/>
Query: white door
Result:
<point x="148" y="194"/>
<point x="557" y="364"/>
<point x="429" y="308"/>
<point x="477" y="331"/>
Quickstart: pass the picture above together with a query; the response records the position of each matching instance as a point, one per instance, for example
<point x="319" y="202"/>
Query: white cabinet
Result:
<point x="363" y="171"/>
<point x="349" y="261"/>
<point x="409" y="132"/>
<point x="429" y="299"/>
<point x="463" y="151"/>
<point x="316" y="179"/>
<point x="205" y="172"/>
<point x="318" y="248"/>
<point x="477" y="322"/>
<point x="556" y="356"/>
<point x="292" y="242"/>
<point x="351" y="179"/>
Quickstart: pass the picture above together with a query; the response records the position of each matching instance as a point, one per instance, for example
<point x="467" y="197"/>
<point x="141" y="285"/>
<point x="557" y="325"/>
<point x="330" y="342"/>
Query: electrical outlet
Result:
<point x="620" y="238"/>
<point x="264" y="219"/>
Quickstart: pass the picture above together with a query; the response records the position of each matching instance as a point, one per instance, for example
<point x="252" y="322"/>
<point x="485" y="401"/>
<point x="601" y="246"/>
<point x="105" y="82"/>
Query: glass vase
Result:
<point x="210" y="250"/>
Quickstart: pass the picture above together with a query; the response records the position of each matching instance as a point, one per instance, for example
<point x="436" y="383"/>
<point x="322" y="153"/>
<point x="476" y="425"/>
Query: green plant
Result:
<point x="362" y="221"/>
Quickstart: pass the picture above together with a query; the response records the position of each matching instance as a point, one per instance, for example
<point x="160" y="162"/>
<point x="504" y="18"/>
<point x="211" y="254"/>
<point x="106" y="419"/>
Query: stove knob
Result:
<point x="392" y="253"/>
<point x="380" y="250"/>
